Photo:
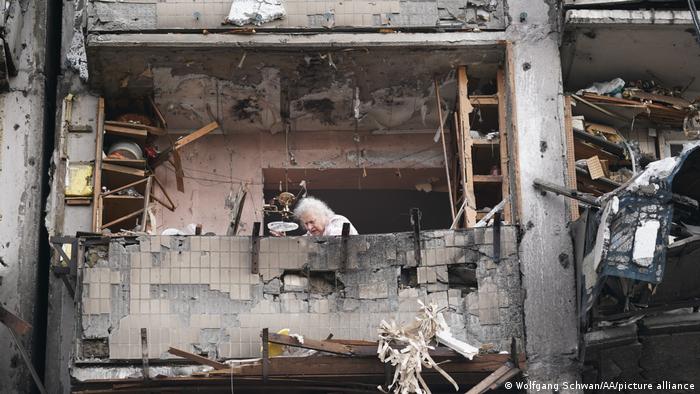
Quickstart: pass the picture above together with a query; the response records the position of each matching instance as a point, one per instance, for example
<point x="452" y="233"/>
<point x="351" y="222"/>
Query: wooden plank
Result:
<point x="97" y="180"/>
<point x="484" y="100"/>
<point x="123" y="169"/>
<point x="195" y="135"/>
<point x="78" y="200"/>
<point x="107" y="193"/>
<point x="123" y="218"/>
<point x="488" y="178"/>
<point x="146" y="201"/>
<point x="570" y="156"/>
<point x="28" y="362"/>
<point x="198" y="359"/>
<point x="130" y="132"/>
<point x="321" y="346"/>
<point x="484" y="385"/>
<point x="159" y="115"/>
<point x="126" y="162"/>
<point x="123" y="197"/>
<point x="583" y="150"/>
<point x="462" y="165"/>
<point x="340" y="366"/>
<point x="503" y="144"/>
<point x="171" y="205"/>
<point x="444" y="149"/>
<point x="512" y="132"/>
<point x="13" y="321"/>
<point x="483" y="141"/>
<point x="465" y="108"/>
<point x="151" y="129"/>
<point x="179" y="173"/>
<point x="349" y="348"/>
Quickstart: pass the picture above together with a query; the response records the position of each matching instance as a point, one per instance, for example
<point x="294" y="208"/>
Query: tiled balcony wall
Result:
<point x="199" y="293"/>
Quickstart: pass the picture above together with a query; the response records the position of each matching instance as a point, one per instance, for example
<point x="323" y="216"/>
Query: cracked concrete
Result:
<point x="198" y="294"/>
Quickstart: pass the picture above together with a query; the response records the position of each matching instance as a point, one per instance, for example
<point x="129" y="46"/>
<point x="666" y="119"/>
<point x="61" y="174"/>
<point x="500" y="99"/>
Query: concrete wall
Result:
<point x="21" y="164"/>
<point x="545" y="249"/>
<point x="198" y="293"/>
<point x="212" y="14"/>
<point x="217" y="165"/>
<point x="63" y="219"/>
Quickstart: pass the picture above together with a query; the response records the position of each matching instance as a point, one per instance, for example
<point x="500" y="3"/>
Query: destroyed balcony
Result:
<point x="293" y="15"/>
<point x="213" y="295"/>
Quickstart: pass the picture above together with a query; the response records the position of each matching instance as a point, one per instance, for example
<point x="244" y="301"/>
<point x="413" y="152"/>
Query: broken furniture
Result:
<point x="600" y="159"/>
<point x="124" y="180"/>
<point x="122" y="185"/>
<point x="482" y="151"/>
<point x="329" y="369"/>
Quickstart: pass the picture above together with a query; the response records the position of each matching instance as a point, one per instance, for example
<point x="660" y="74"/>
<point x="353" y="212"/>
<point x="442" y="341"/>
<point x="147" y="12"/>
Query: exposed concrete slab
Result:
<point x="296" y="14"/>
<point x="550" y="301"/>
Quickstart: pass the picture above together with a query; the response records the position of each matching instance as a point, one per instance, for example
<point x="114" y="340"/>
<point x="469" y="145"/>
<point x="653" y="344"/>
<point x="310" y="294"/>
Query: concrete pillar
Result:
<point x="21" y="167"/>
<point x="546" y="248"/>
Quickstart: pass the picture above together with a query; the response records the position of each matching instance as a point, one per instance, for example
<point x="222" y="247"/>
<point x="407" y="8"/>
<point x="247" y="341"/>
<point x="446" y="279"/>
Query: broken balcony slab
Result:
<point x="626" y="17"/>
<point x="169" y="15"/>
<point x="198" y="294"/>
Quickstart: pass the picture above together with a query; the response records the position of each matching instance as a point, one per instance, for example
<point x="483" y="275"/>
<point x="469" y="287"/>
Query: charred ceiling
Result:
<point x="253" y="89"/>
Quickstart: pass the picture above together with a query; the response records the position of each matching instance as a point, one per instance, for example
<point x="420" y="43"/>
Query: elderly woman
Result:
<point x="319" y="219"/>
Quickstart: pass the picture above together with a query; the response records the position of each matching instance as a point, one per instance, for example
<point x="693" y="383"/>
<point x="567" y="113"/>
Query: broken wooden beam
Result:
<point x="150" y="129"/>
<point x="18" y="326"/>
<point x="322" y="346"/>
<point x="197" y="358"/>
<point x="444" y="149"/>
<point x="136" y="131"/>
<point x="465" y="108"/>
<point x="13" y="321"/>
<point x="494" y="377"/>
<point x="195" y="135"/>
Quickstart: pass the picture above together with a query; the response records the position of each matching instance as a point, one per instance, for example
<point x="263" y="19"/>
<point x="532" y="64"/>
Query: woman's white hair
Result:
<point x="314" y="207"/>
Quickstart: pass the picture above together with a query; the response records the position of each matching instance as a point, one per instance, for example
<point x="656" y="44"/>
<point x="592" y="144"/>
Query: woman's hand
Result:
<point x="277" y="233"/>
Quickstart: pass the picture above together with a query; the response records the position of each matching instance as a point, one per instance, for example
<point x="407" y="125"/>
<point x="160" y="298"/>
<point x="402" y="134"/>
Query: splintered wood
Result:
<point x="410" y="360"/>
<point x="465" y="108"/>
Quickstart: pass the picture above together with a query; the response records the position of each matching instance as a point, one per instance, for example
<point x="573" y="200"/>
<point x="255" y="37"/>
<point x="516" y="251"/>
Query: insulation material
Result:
<point x="255" y="12"/>
<point x="609" y="88"/>
<point x="595" y="168"/>
<point x="418" y="336"/>
<point x="645" y="243"/>
<point x="79" y="180"/>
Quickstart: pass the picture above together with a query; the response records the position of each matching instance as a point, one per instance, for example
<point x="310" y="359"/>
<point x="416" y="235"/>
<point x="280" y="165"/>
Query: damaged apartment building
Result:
<point x="523" y="177"/>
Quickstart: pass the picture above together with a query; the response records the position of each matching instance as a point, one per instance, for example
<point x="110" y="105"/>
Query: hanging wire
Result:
<point x="696" y="21"/>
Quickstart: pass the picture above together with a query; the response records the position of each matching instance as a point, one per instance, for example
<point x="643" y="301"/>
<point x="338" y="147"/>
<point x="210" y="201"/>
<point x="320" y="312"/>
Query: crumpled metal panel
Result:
<point x="633" y="213"/>
<point x="640" y="209"/>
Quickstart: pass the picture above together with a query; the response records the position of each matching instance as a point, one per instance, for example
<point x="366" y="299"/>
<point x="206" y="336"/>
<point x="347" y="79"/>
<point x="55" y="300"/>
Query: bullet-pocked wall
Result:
<point x="199" y="293"/>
